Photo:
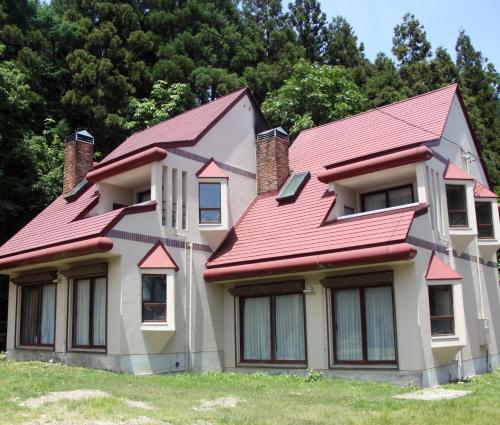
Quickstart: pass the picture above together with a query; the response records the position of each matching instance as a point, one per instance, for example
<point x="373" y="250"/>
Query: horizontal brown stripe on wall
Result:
<point x="150" y="239"/>
<point x="203" y="160"/>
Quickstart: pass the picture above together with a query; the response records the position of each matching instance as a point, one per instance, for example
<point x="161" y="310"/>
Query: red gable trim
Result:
<point x="378" y="254"/>
<point x="126" y="164"/>
<point x="396" y="159"/>
<point x="211" y="170"/>
<point x="482" y="192"/>
<point x="452" y="172"/>
<point x="68" y="250"/>
<point x="158" y="258"/>
<point x="439" y="270"/>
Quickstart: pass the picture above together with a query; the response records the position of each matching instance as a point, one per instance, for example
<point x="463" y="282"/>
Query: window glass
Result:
<point x="273" y="328"/>
<point x="484" y="220"/>
<point x="441" y="310"/>
<point x="38" y="309"/>
<point x="374" y="201"/>
<point x="144" y="196"/>
<point x="364" y="325"/>
<point x="154" y="298"/>
<point x="400" y="196"/>
<point x="457" y="205"/>
<point x="210" y="202"/>
<point x="89" y="312"/>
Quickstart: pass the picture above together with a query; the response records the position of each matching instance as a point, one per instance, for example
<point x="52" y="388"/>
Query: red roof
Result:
<point x="61" y="222"/>
<point x="452" y="172"/>
<point x="158" y="258"/>
<point x="186" y="128"/>
<point x="483" y="192"/>
<point x="270" y="230"/>
<point x="439" y="270"/>
<point x="211" y="170"/>
<point x="406" y="123"/>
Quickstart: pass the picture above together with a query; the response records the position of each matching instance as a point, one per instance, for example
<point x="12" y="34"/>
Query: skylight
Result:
<point x="293" y="186"/>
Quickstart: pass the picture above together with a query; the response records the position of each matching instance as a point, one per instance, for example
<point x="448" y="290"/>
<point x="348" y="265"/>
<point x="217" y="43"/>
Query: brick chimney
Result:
<point x="272" y="160"/>
<point x="78" y="158"/>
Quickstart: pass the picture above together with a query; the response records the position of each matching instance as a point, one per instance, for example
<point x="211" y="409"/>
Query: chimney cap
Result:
<point x="278" y="132"/>
<point x="82" y="135"/>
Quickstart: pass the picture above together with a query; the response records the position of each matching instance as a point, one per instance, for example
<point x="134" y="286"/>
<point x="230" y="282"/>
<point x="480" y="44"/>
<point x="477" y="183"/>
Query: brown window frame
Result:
<point x="483" y="225"/>
<point x="39" y="286"/>
<point x="89" y="346"/>
<point x="200" y="209"/>
<point x="386" y="192"/>
<point x="364" y="347"/>
<point x="461" y="212"/>
<point x="272" y="306"/>
<point x="446" y="317"/>
<point x="164" y="276"/>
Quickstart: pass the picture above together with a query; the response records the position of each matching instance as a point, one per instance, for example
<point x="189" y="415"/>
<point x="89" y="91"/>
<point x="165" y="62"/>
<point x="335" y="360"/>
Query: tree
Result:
<point x="410" y="43"/>
<point x="342" y="45"/>
<point x="309" y="23"/>
<point x="164" y="102"/>
<point x="313" y="95"/>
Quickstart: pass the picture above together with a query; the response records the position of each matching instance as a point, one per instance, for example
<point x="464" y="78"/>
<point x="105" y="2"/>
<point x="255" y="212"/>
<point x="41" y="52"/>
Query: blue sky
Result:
<point x="373" y="22"/>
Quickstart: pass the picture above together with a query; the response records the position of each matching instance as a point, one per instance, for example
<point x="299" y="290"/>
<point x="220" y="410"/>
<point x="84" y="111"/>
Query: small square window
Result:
<point x="210" y="203"/>
<point x="441" y="310"/>
<point x="484" y="220"/>
<point x="457" y="205"/>
<point x="154" y="298"/>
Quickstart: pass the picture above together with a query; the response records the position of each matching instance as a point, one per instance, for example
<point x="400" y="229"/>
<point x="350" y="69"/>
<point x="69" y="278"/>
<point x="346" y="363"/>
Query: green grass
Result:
<point x="264" y="399"/>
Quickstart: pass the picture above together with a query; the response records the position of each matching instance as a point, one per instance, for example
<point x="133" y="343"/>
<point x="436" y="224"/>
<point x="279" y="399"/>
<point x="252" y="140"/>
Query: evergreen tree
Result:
<point x="409" y="43"/>
<point x="342" y="45"/>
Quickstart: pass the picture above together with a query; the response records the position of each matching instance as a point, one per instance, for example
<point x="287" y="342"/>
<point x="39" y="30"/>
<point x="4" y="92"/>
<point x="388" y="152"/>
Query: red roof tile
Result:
<point x="483" y="192"/>
<point x="61" y="222"/>
<point x="401" y="124"/>
<point x="452" y="172"/>
<point x="187" y="127"/>
<point x="211" y="170"/>
<point x="439" y="270"/>
<point x="270" y="230"/>
<point x="158" y="258"/>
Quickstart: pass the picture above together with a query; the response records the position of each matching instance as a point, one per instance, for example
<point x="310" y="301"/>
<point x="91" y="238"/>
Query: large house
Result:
<point x="367" y="248"/>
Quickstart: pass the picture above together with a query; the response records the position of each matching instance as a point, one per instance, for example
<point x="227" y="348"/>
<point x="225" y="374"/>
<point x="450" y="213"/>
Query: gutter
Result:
<point x="126" y="164"/>
<point x="72" y="249"/>
<point x="378" y="254"/>
<point x="396" y="159"/>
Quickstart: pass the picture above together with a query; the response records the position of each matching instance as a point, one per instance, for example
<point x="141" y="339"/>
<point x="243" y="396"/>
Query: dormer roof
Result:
<point x="211" y="170"/>
<point x="439" y="270"/>
<point x="158" y="258"/>
<point x="483" y="192"/>
<point x="452" y="172"/>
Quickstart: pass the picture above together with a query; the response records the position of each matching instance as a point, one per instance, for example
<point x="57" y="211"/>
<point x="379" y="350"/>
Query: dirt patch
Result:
<point x="218" y="403"/>
<point x="433" y="394"/>
<point x="54" y="397"/>
<point x="73" y="419"/>
<point x="138" y="404"/>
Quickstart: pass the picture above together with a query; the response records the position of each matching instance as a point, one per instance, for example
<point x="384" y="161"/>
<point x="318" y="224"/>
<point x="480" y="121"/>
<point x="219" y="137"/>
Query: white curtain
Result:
<point x="348" y="325"/>
<point x="82" y="288"/>
<point x="379" y="324"/>
<point x="29" y="315"/>
<point x="257" y="329"/>
<point x="375" y="201"/>
<point x="48" y="314"/>
<point x="99" y="324"/>
<point x="400" y="196"/>
<point x="290" y="344"/>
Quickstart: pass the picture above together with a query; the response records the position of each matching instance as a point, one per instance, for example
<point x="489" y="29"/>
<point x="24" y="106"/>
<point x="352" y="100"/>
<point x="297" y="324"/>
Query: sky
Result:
<point x="374" y="20"/>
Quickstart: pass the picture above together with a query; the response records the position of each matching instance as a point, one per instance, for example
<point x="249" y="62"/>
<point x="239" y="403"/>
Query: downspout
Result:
<point x="482" y="318"/>
<point x="190" y="311"/>
<point x="186" y="275"/>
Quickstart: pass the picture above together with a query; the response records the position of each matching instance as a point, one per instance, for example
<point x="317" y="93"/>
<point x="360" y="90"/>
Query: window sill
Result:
<point x="393" y="366"/>
<point x="273" y="365"/>
<point x="362" y="214"/>
<point x="156" y="327"/>
<point x="35" y="347"/>
<point x="87" y="350"/>
<point x="211" y="226"/>
<point x="447" y="341"/>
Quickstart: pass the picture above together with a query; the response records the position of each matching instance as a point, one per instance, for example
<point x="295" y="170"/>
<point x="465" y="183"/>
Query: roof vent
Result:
<point x="275" y="132"/>
<point x="293" y="186"/>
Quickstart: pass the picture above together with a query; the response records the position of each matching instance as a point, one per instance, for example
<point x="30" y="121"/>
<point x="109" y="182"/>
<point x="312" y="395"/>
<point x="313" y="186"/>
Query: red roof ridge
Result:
<point x="439" y="270"/>
<point x="378" y="108"/>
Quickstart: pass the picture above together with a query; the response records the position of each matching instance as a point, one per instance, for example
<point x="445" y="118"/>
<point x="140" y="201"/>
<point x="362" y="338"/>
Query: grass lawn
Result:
<point x="260" y="399"/>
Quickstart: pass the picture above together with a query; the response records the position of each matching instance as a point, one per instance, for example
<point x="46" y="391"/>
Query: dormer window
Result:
<point x="387" y="198"/>
<point x="210" y="203"/>
<point x="293" y="186"/>
<point x="457" y="205"/>
<point x="484" y="219"/>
